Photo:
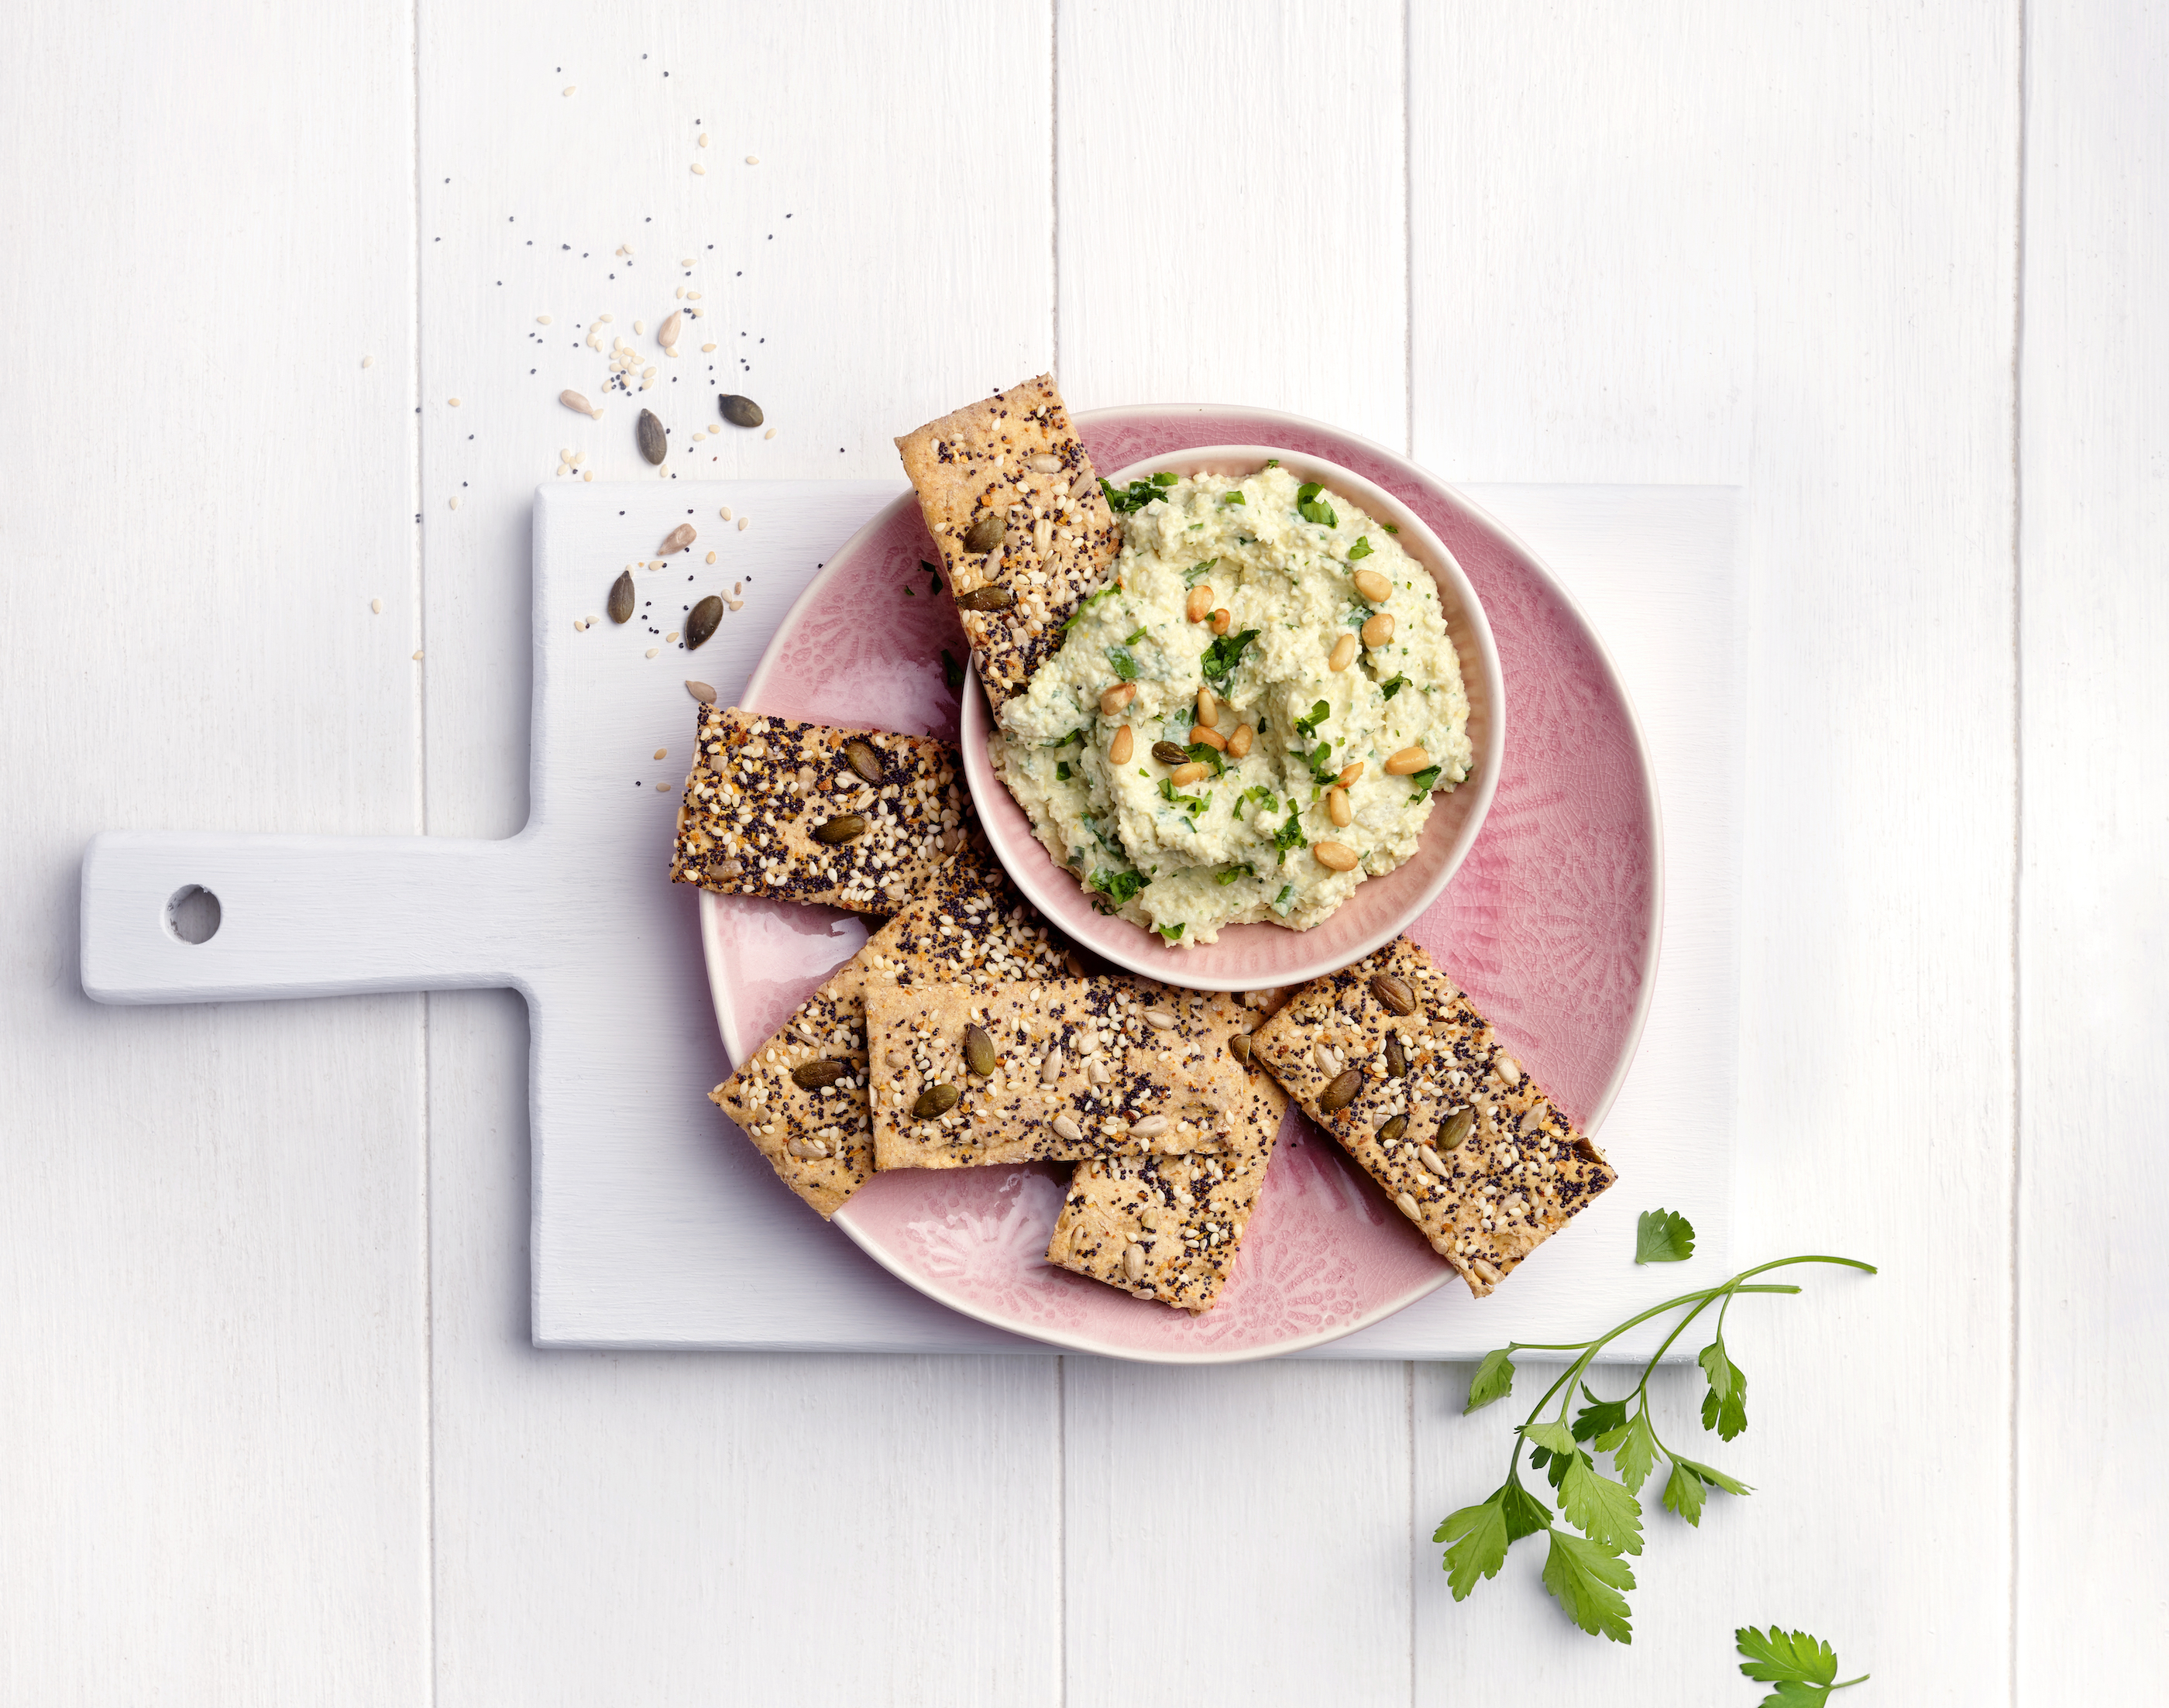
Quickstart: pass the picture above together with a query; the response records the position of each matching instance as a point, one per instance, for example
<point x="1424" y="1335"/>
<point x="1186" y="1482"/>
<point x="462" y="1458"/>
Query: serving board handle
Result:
<point x="299" y="916"/>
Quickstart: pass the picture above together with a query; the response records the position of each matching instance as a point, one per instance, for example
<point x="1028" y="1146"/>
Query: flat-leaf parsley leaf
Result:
<point x="1663" y="1237"/>
<point x="1802" y="1667"/>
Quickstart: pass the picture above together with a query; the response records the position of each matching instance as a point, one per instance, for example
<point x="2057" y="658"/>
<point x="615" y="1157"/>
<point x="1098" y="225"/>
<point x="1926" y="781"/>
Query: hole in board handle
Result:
<point x="192" y="914"/>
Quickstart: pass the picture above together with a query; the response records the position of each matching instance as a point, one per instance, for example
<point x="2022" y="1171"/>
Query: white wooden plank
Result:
<point x="1874" y="340"/>
<point x="1232" y="229"/>
<point x="213" y="1455"/>
<point x="1199" y="1501"/>
<point x="2091" y="1593"/>
<point x="1231" y="207"/>
<point x="904" y="173"/>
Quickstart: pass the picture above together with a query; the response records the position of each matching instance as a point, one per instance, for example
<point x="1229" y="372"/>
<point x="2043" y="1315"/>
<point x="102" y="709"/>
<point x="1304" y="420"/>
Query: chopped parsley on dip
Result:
<point x="1299" y="573"/>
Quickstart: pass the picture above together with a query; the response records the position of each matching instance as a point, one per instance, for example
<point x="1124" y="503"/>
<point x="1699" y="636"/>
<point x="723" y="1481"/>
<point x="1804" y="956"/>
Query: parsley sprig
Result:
<point x="1803" y="1667"/>
<point x="1138" y="493"/>
<point x="1585" y="1572"/>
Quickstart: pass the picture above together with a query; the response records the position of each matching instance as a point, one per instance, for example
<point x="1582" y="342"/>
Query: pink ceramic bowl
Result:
<point x="1248" y="957"/>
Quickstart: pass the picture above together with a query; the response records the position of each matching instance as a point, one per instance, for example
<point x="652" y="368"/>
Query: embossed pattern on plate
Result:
<point x="1551" y="925"/>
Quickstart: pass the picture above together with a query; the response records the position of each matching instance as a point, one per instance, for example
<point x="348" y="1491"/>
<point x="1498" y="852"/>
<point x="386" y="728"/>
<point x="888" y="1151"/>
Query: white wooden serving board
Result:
<point x="653" y="1225"/>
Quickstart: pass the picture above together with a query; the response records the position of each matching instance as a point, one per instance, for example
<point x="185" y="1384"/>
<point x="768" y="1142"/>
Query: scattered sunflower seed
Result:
<point x="666" y="335"/>
<point x="654" y="443"/>
<point x="739" y="412"/>
<point x="700" y="691"/>
<point x="678" y="539"/>
<point x="573" y="400"/>
<point x="701" y="621"/>
<point x="620" y="598"/>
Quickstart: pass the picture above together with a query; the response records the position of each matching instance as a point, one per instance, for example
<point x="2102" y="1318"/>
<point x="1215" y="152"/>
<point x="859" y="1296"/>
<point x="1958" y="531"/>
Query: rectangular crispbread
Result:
<point x="1091" y="1067"/>
<point x="1012" y="467"/>
<point x="1166" y="1228"/>
<point x="817" y="1135"/>
<point x="1521" y="1171"/>
<point x="765" y="793"/>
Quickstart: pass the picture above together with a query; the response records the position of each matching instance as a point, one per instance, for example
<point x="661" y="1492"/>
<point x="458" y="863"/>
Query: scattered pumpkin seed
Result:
<point x="701" y="621"/>
<point x="739" y="412"/>
<point x="1239" y="1047"/>
<point x="1391" y="1132"/>
<point x="979" y="1052"/>
<point x="811" y="1075"/>
<point x="847" y="827"/>
<point x="1456" y="1131"/>
<point x="1168" y="753"/>
<point x="934" y="1100"/>
<point x="1341" y="1092"/>
<point x="654" y="443"/>
<point x="986" y="598"/>
<point x="620" y="598"/>
<point x="1397" y="1059"/>
<point x="985" y="534"/>
<point x="1394" y="993"/>
<point x="863" y="758"/>
<point x="700" y="691"/>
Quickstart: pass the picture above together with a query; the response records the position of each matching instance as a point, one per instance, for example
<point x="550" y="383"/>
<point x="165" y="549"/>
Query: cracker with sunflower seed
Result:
<point x="1389" y="1057"/>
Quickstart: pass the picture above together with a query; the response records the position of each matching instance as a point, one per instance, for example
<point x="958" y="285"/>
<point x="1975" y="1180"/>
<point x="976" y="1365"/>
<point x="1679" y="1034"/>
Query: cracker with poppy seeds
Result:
<point x="1015" y="507"/>
<point x="1056" y="1070"/>
<point x="1389" y="1057"/>
<point x="801" y="1096"/>
<point x="1167" y="1228"/>
<point x="803" y="812"/>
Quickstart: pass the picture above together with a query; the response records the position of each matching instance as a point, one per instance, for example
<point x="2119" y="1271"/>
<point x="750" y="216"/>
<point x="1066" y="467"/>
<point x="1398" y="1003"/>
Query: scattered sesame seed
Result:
<point x="725" y="513"/>
<point x="712" y="557"/>
<point x="700" y="170"/>
<point x="703" y="143"/>
<point x="745" y="523"/>
<point x="588" y="474"/>
<point x="661" y="788"/>
<point x="705" y="348"/>
<point x="663" y="753"/>
<point x="418" y="655"/>
<point x="376" y="606"/>
<point x="454" y="401"/>
<point x="541" y="320"/>
<point x="770" y="433"/>
<point x="569" y="88"/>
<point x="638" y="327"/>
<point x="753" y="160"/>
<point x="370" y="361"/>
<point x="453" y="501"/>
<point x="652" y="650"/>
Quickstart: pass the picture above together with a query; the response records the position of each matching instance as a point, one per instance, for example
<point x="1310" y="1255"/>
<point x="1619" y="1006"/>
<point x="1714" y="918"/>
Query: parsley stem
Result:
<point x="1847" y="1683"/>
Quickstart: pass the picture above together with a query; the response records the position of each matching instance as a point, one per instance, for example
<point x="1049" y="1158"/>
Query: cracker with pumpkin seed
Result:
<point x="855" y="818"/>
<point x="1389" y="1057"/>
<point x="1166" y="1228"/>
<point x="1015" y="507"/>
<point x="1058" y="1070"/>
<point x="801" y="1096"/>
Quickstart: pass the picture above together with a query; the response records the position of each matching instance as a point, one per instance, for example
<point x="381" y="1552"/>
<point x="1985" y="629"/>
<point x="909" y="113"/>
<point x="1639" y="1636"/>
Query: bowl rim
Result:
<point x="1050" y="887"/>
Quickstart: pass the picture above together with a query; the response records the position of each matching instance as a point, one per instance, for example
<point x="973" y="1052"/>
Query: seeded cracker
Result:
<point x="1182" y="1216"/>
<point x="1013" y="469"/>
<point x="1066" y="1069"/>
<point x="1521" y="1172"/>
<point x="777" y="808"/>
<point x="817" y="1136"/>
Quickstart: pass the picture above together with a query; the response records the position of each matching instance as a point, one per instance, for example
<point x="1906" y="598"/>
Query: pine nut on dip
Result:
<point x="1182" y="835"/>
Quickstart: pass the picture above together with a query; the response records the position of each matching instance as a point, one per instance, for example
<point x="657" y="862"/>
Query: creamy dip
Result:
<point x="1185" y="842"/>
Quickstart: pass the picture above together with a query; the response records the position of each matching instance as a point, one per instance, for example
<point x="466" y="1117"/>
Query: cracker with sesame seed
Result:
<point x="855" y="818"/>
<point x="1389" y="1057"/>
<point x="1182" y="1216"/>
<point x="1015" y="507"/>
<point x="814" y="1130"/>
<point x="1058" y="1070"/>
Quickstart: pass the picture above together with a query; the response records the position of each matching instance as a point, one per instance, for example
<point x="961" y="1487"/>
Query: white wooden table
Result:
<point x="271" y="1427"/>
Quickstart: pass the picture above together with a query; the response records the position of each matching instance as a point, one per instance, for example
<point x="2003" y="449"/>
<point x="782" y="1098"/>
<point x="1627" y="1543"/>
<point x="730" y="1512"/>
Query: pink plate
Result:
<point x="1551" y="925"/>
<point x="1255" y="957"/>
